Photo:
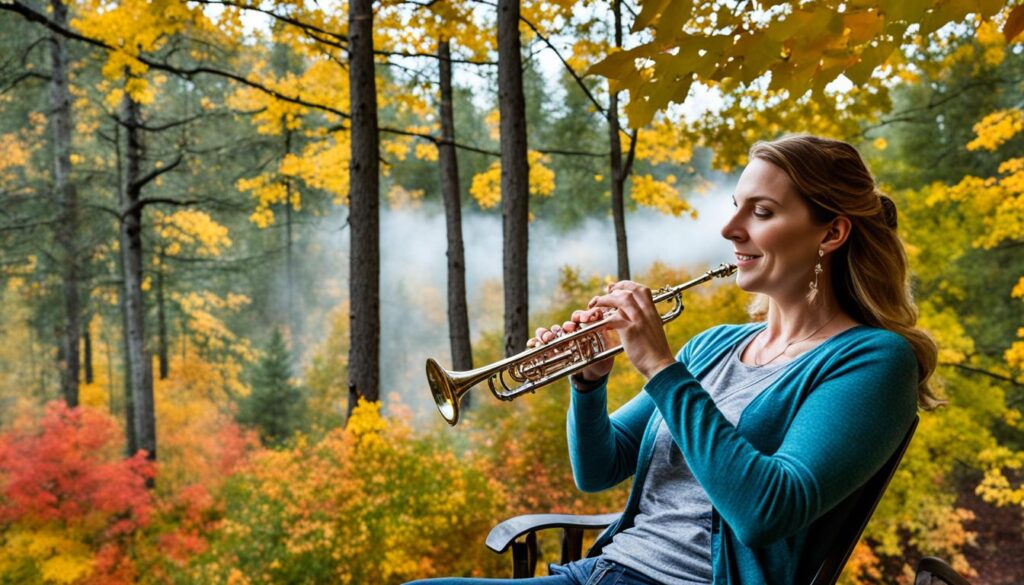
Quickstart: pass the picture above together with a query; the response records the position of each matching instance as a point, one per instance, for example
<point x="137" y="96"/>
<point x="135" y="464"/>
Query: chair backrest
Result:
<point x="834" y="535"/>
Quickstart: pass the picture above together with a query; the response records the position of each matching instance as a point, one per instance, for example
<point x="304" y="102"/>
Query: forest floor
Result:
<point x="999" y="556"/>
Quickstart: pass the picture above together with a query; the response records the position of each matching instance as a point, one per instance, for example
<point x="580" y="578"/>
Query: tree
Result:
<point x="364" y="206"/>
<point x="458" y="313"/>
<point x="276" y="406"/>
<point x="515" y="177"/>
<point x="140" y="371"/>
<point x="620" y="169"/>
<point x="67" y="196"/>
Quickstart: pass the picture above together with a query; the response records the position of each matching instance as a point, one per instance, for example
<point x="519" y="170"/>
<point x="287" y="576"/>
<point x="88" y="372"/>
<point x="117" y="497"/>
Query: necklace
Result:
<point x="792" y="343"/>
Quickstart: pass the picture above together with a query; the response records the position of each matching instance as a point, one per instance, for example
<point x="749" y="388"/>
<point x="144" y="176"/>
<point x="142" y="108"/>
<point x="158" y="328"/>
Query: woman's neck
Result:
<point x="798" y="318"/>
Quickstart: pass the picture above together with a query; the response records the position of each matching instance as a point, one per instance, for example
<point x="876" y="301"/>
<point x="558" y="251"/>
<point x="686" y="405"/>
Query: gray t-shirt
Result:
<point x="670" y="540"/>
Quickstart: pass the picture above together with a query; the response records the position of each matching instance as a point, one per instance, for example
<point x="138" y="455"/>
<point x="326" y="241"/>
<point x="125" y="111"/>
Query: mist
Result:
<point x="414" y="274"/>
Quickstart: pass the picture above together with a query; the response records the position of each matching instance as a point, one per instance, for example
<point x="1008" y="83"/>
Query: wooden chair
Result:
<point x="935" y="571"/>
<point x="832" y="540"/>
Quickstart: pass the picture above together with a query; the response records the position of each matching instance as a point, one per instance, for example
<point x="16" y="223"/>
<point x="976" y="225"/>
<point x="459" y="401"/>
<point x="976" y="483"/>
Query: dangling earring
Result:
<point x="813" y="292"/>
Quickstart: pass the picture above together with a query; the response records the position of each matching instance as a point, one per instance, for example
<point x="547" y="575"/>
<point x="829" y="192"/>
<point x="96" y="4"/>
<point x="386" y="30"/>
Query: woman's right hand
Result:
<point x="594" y="371"/>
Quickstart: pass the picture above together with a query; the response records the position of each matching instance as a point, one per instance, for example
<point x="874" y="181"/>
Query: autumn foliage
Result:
<point x="71" y="505"/>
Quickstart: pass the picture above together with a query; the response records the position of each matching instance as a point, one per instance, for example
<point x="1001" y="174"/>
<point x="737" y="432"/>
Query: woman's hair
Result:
<point x="869" y="272"/>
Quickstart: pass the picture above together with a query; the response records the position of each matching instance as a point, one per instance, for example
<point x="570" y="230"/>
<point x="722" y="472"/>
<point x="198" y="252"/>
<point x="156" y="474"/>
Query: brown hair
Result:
<point x="869" y="272"/>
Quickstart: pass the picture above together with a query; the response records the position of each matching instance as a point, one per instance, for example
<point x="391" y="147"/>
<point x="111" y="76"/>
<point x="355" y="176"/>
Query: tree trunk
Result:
<point x="87" y="352"/>
<point x="618" y="173"/>
<point x="161" y="320"/>
<point x="111" y="405"/>
<point x="515" y="172"/>
<point x="144" y="419"/>
<point x="289" y="254"/>
<point x="131" y="441"/>
<point x="458" y="312"/>
<point x="66" y="195"/>
<point x="364" y="210"/>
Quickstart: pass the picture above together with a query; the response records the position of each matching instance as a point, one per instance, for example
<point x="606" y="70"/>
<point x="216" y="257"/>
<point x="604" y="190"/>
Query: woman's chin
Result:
<point x="746" y="283"/>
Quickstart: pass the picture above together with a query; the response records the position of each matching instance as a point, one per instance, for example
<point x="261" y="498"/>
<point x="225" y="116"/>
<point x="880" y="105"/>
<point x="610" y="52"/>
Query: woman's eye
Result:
<point x="762" y="212"/>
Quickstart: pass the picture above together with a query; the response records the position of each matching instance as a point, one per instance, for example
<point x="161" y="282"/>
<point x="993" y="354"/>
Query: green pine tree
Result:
<point x="276" y="406"/>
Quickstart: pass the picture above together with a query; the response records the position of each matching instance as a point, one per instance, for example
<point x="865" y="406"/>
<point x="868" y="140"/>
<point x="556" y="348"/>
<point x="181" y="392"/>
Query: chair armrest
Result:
<point x="504" y="534"/>
<point x="929" y="567"/>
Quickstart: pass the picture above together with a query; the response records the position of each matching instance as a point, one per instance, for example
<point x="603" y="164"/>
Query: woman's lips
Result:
<point x="745" y="259"/>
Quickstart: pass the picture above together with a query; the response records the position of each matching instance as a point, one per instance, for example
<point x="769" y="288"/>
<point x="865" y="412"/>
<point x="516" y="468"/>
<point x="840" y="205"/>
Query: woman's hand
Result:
<point x="639" y="325"/>
<point x="594" y="371"/>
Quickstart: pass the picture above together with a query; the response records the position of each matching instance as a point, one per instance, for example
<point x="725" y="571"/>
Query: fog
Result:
<point x="414" y="274"/>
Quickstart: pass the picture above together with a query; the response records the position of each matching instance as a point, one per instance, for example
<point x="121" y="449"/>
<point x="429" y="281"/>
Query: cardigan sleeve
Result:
<point x="844" y="430"/>
<point x="603" y="449"/>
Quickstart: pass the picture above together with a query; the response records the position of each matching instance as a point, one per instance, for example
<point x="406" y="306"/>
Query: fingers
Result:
<point x="635" y="299"/>
<point x="579" y="317"/>
<point x="588" y="315"/>
<point x="542" y="335"/>
<point x="627" y="307"/>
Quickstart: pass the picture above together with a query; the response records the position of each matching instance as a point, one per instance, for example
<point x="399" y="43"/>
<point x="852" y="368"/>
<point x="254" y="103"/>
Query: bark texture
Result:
<point x="141" y="379"/>
<point x="87" y="352"/>
<point x="619" y="172"/>
<point x="458" y="312"/>
<point x="161" y="321"/>
<point x="364" y="210"/>
<point x="67" y="200"/>
<point x="515" y="177"/>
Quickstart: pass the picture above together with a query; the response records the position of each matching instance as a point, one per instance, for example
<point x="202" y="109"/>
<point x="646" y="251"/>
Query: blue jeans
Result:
<point x="592" y="571"/>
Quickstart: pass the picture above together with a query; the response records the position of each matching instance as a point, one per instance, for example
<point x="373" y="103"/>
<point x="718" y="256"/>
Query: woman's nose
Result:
<point x="732" y="230"/>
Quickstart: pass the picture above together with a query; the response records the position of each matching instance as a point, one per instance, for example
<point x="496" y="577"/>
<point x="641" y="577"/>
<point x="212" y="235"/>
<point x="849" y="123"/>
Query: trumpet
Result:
<point x="537" y="367"/>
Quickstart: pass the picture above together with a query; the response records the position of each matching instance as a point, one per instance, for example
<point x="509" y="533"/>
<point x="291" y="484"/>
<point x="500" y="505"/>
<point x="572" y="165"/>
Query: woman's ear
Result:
<point x="836" y="234"/>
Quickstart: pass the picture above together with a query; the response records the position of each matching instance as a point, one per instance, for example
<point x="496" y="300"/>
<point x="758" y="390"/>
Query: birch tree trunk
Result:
<point x="67" y="198"/>
<point x="458" y="312"/>
<point x="515" y="173"/>
<point x="364" y="210"/>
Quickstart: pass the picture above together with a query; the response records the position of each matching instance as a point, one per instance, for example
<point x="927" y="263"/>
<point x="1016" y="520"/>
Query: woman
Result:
<point x="751" y="432"/>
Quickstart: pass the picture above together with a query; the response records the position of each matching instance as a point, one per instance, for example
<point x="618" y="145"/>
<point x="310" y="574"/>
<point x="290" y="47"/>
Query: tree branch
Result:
<point x="153" y="174"/>
<point x="984" y="372"/>
<point x="26" y="226"/>
<point x="571" y="152"/>
<point x="339" y="38"/>
<point x="187" y="73"/>
<point x="433" y="56"/>
<point x="168" y="125"/>
<point x="27" y="75"/>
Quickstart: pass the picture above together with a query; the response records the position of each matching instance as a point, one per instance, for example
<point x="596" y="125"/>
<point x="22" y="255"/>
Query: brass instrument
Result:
<point x="542" y="365"/>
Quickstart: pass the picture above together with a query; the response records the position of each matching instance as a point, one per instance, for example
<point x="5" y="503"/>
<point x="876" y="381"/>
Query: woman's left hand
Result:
<point x="639" y="325"/>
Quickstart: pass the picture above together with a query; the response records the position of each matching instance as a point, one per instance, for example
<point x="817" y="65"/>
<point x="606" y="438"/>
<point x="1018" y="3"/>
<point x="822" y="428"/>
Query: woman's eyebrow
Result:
<point x="757" y="198"/>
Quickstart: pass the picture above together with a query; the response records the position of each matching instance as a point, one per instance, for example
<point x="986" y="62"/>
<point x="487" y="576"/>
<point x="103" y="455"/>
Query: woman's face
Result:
<point x="773" y="235"/>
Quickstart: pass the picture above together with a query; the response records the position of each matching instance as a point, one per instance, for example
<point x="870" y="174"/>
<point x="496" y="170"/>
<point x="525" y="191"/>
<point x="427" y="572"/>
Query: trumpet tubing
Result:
<point x="537" y="367"/>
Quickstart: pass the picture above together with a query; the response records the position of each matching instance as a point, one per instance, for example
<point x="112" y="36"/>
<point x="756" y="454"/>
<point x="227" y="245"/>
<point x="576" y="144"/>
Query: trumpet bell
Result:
<point x="443" y="388"/>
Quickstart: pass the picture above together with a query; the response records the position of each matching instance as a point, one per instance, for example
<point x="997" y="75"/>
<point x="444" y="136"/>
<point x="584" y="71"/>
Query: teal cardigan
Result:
<point x="800" y="447"/>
